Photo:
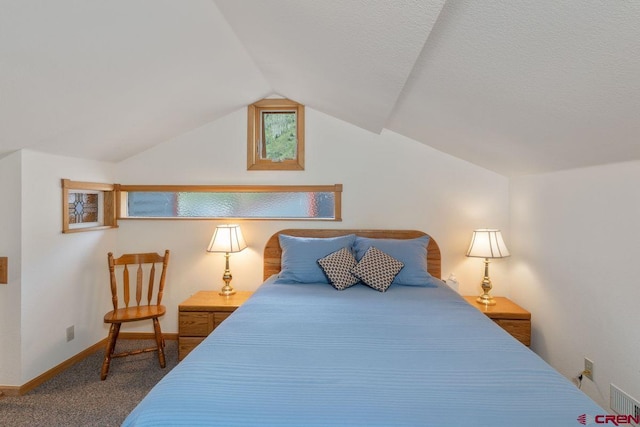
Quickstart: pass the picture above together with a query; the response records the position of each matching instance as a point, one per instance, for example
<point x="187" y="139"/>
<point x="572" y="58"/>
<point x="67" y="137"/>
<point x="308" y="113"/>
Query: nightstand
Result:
<point x="200" y="314"/>
<point x="509" y="315"/>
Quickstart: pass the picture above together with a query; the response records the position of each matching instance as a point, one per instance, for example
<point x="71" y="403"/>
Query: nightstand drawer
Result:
<point x="519" y="329"/>
<point x="198" y="324"/>
<point x="218" y="317"/>
<point x="186" y="344"/>
<point x="508" y="315"/>
<point x="200" y="314"/>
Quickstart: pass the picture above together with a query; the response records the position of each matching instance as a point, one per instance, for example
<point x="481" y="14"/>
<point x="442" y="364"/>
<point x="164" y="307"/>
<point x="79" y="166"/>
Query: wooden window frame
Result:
<point x="121" y="201"/>
<point x="107" y="207"/>
<point x="255" y="131"/>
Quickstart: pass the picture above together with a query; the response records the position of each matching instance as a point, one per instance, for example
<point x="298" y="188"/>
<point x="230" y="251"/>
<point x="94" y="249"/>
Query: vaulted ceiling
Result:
<point x="515" y="86"/>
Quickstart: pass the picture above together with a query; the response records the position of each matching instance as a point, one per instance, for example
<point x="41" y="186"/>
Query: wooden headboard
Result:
<point x="273" y="252"/>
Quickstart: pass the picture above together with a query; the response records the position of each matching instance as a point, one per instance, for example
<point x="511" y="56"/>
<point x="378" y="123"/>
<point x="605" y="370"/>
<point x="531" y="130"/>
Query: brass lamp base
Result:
<point x="485" y="298"/>
<point x="227" y="290"/>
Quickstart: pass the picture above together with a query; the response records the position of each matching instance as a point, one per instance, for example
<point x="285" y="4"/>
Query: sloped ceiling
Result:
<point x="514" y="86"/>
<point x="521" y="86"/>
<point x="349" y="59"/>
<point x="107" y="79"/>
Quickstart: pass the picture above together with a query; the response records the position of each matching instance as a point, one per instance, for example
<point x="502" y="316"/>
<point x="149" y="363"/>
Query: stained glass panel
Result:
<point x="87" y="206"/>
<point x="83" y="207"/>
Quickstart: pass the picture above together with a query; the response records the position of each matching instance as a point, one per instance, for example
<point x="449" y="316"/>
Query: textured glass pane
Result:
<point x="319" y="205"/>
<point x="279" y="140"/>
<point x="151" y="204"/>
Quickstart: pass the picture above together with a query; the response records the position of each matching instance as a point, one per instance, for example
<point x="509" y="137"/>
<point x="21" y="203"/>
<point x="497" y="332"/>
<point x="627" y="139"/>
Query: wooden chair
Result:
<point x="142" y="309"/>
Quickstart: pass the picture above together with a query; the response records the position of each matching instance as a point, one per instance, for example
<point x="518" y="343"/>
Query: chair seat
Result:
<point x="132" y="314"/>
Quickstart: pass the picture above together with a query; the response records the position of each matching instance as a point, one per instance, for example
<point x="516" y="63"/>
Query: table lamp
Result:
<point x="487" y="243"/>
<point x="227" y="238"/>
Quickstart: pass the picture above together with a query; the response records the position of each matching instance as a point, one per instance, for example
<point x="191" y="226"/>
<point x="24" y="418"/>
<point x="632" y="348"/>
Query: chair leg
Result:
<point x="115" y="338"/>
<point x="114" y="330"/>
<point x="159" y="342"/>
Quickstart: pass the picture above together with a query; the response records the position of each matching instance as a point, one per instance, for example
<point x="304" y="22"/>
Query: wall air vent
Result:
<point x="623" y="404"/>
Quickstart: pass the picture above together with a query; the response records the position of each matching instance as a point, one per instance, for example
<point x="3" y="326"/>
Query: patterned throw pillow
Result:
<point x="337" y="266"/>
<point x="377" y="269"/>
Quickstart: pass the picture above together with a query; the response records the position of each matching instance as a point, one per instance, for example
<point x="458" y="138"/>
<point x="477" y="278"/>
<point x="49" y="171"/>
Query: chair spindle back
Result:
<point x="138" y="260"/>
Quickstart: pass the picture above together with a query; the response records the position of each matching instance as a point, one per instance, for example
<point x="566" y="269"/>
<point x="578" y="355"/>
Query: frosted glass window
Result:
<point x="272" y="204"/>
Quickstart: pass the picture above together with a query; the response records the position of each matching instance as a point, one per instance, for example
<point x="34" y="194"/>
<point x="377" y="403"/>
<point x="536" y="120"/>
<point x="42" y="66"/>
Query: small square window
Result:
<point x="87" y="206"/>
<point x="275" y="135"/>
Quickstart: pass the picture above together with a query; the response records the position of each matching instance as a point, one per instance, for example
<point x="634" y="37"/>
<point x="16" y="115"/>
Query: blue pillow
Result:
<point x="411" y="252"/>
<point x="300" y="257"/>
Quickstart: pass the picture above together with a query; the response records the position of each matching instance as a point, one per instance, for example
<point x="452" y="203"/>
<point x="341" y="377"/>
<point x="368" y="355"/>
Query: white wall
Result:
<point x="58" y="280"/>
<point x="10" y="246"/>
<point x="389" y="182"/>
<point x="64" y="276"/>
<point x="575" y="267"/>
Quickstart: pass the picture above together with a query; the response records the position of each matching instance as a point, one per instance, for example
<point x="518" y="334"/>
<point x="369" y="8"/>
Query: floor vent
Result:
<point x="624" y="404"/>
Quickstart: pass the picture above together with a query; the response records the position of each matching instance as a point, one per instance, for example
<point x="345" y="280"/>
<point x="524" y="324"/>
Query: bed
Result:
<point x="303" y="353"/>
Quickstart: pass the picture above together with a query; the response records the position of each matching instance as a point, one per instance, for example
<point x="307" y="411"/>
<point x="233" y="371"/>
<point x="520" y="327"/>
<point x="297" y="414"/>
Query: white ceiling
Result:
<point x="106" y="79"/>
<point x="515" y="86"/>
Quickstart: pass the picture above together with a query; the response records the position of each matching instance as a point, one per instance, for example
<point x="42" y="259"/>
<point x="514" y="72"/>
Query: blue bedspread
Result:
<point x="308" y="355"/>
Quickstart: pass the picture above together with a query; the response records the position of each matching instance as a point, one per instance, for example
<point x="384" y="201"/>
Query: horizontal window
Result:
<point x="241" y="202"/>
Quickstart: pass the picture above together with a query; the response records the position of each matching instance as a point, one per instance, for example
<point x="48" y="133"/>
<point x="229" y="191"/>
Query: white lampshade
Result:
<point x="487" y="243"/>
<point x="227" y="238"/>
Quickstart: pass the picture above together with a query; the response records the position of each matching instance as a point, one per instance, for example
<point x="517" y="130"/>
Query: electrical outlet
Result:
<point x="588" y="368"/>
<point x="70" y="333"/>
